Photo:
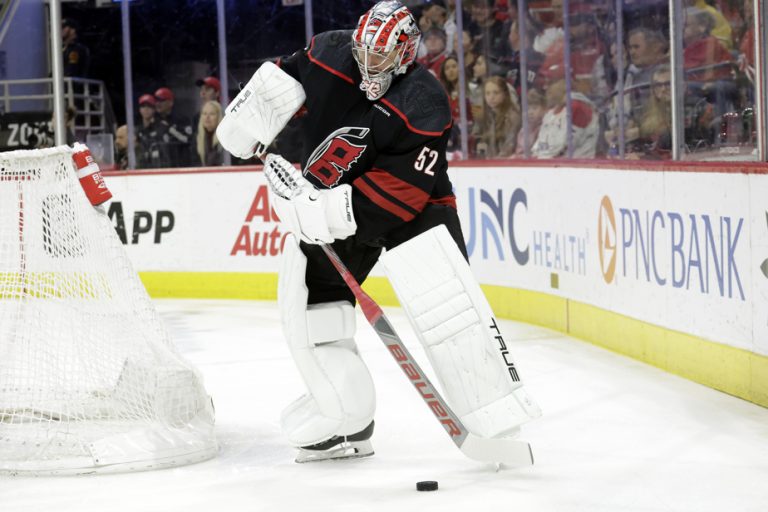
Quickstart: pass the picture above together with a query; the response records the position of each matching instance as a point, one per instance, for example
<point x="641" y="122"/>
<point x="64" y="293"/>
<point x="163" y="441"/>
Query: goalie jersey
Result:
<point x="392" y="151"/>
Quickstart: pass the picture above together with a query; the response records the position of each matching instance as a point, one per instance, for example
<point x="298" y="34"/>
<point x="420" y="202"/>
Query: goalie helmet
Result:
<point x="384" y="44"/>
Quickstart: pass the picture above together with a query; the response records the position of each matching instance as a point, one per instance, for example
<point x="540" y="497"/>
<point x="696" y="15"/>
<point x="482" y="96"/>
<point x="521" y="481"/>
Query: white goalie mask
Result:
<point x="384" y="44"/>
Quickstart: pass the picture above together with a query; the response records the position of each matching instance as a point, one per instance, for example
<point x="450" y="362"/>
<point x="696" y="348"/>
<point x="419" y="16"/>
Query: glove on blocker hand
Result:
<point x="314" y="216"/>
<point x="260" y="111"/>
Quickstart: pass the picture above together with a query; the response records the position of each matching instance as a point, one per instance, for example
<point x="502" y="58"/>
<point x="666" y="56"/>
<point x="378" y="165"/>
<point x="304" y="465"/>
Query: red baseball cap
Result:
<point x="210" y="81"/>
<point x="164" y="94"/>
<point x="147" y="99"/>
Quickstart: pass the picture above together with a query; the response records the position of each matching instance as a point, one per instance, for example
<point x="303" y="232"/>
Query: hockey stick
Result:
<point x="508" y="451"/>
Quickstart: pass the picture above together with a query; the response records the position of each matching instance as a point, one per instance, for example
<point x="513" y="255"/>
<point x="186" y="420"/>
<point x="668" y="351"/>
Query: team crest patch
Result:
<point x="336" y="154"/>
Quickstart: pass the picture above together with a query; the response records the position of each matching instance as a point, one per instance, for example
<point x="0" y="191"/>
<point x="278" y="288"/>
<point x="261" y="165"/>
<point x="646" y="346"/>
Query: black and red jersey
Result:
<point x="392" y="151"/>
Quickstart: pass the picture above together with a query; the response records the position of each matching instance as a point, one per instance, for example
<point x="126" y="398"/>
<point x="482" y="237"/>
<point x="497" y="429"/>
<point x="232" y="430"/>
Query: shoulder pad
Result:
<point x="334" y="49"/>
<point x="420" y="99"/>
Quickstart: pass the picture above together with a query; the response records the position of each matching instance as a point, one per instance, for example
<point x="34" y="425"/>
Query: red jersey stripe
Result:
<point x="409" y="125"/>
<point x="446" y="200"/>
<point x="409" y="194"/>
<point x="325" y="66"/>
<point x="381" y="201"/>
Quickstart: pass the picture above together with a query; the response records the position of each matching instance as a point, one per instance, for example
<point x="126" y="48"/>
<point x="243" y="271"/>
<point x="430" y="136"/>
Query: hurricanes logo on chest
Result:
<point x="336" y="154"/>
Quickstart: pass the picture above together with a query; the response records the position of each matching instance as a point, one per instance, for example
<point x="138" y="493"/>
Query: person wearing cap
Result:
<point x="152" y="136"/>
<point x="210" y="89"/>
<point x="179" y="128"/>
<point x="77" y="57"/>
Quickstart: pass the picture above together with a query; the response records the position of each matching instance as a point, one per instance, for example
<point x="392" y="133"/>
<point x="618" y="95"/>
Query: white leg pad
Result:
<point x="340" y="397"/>
<point x="456" y="325"/>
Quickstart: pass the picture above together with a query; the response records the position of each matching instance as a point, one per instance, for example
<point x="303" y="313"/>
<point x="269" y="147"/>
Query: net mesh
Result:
<point x="88" y="375"/>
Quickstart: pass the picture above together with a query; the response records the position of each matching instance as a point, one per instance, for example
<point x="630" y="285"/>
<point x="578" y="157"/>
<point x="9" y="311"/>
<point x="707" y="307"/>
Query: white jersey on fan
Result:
<point x="552" y="140"/>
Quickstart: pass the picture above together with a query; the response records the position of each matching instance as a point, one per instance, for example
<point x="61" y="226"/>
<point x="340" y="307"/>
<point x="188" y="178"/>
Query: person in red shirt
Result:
<point x="434" y="42"/>
<point x="705" y="58"/>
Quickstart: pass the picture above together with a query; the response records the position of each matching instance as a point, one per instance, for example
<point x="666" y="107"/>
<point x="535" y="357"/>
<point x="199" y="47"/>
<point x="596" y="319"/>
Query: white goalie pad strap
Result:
<point x="260" y="111"/>
<point x="315" y="216"/>
<point x="456" y="325"/>
<point x="340" y="397"/>
<point x="330" y="321"/>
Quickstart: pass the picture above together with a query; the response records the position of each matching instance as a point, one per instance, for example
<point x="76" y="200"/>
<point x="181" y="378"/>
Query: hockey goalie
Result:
<point x="374" y="187"/>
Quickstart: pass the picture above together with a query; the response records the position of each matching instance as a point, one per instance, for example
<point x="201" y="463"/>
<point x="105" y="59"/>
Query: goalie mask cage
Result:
<point x="89" y="380"/>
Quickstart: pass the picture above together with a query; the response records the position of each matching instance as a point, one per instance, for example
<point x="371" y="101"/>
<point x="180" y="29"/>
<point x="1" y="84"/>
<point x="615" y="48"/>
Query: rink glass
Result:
<point x="174" y="43"/>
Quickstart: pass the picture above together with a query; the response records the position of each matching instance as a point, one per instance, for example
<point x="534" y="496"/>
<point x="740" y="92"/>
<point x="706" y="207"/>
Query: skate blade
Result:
<point x="346" y="450"/>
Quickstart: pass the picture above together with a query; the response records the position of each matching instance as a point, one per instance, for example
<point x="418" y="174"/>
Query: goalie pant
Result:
<point x="392" y="153"/>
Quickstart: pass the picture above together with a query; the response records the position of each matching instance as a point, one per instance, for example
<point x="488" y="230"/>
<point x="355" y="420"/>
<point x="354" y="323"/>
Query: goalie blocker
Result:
<point x="460" y="334"/>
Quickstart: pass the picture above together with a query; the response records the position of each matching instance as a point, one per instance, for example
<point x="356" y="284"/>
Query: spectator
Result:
<point x="469" y="51"/>
<point x="746" y="58"/>
<point x="435" y="15"/>
<point x="487" y="30"/>
<point x="587" y="53"/>
<point x="537" y="106"/>
<point x="552" y="32"/>
<point x="46" y="136"/>
<point x="121" y="147"/>
<point x="721" y="28"/>
<point x="552" y="141"/>
<point x="77" y="57"/>
<point x="70" y="113"/>
<point x="475" y="85"/>
<point x="434" y="42"/>
<point x="209" y="150"/>
<point x="152" y="136"/>
<point x="534" y="59"/>
<point x="210" y="90"/>
<point x="655" y="128"/>
<point x="449" y="77"/>
<point x="179" y="128"/>
<point x="647" y="49"/>
<point x="704" y="57"/>
<point x="496" y="133"/>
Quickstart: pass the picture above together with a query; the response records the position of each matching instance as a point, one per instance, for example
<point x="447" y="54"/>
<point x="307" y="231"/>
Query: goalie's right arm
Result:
<point x="260" y="111"/>
<point x="314" y="216"/>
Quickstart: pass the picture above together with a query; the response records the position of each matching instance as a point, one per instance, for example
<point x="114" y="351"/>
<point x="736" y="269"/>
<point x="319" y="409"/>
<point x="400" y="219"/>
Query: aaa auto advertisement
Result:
<point x="683" y="250"/>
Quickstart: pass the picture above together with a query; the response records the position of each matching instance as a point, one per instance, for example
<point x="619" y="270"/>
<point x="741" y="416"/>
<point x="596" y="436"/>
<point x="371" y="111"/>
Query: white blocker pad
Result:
<point x="456" y="325"/>
<point x="340" y="397"/>
<point x="260" y="111"/>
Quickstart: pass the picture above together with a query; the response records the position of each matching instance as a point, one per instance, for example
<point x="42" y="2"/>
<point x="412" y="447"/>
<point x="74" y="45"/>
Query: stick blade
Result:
<point x="506" y="451"/>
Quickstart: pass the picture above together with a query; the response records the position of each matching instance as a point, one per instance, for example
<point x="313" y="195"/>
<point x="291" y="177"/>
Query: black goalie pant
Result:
<point x="324" y="282"/>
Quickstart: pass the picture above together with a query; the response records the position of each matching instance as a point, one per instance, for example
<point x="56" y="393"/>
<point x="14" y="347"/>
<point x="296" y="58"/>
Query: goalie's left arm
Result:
<point x="260" y="111"/>
<point x="314" y="216"/>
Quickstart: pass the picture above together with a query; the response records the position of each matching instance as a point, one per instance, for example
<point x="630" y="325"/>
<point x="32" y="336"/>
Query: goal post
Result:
<point x="89" y="378"/>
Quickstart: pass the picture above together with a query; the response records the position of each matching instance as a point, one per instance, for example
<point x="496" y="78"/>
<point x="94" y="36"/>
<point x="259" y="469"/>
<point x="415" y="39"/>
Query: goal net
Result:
<point x="89" y="379"/>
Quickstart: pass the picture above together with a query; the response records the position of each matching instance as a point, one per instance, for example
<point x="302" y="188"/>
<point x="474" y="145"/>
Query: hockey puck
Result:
<point x="427" y="485"/>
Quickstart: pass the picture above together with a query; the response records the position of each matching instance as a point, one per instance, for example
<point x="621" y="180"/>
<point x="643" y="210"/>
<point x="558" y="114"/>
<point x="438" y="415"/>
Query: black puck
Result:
<point x="426" y="485"/>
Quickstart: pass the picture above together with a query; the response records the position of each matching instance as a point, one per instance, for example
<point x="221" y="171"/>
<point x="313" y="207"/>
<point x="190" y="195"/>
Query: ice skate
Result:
<point x="353" y="446"/>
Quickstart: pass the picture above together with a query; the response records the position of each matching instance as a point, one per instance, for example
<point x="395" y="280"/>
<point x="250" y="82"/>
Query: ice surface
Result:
<point x="616" y="435"/>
